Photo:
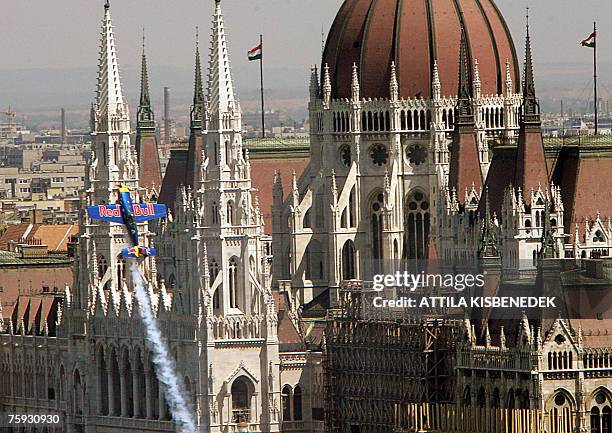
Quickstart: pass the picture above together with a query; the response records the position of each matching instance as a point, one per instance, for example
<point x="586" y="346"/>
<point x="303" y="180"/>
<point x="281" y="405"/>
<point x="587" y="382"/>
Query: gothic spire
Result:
<point x="393" y="86"/>
<point x="220" y="84"/>
<point x="531" y="170"/>
<point x="197" y="109"/>
<point x="435" y="82"/>
<point x="531" y="105"/>
<point x="355" y="83"/>
<point x="109" y="93"/>
<point x="146" y="144"/>
<point x="465" y="112"/>
<point x="549" y="246"/>
<point x="508" y="81"/>
<point x="488" y="240"/>
<point x="145" y="112"/>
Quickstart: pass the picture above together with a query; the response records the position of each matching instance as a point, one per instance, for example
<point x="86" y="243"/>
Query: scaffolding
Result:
<point x="375" y="359"/>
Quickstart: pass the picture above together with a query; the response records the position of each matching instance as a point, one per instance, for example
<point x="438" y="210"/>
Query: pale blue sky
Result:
<point x="63" y="34"/>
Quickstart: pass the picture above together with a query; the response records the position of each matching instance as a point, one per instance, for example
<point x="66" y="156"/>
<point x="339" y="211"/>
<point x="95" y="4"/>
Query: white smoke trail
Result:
<point x="164" y="363"/>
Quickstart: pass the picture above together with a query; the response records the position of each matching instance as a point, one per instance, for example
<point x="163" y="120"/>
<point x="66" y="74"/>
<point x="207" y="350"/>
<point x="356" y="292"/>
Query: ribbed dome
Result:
<point x="414" y="33"/>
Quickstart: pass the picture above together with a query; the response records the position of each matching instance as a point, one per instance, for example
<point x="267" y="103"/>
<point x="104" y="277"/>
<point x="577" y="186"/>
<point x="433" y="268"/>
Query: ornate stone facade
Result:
<point x="210" y="287"/>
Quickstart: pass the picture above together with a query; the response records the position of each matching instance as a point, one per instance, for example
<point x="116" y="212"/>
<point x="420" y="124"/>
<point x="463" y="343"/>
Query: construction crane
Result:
<point x="10" y="115"/>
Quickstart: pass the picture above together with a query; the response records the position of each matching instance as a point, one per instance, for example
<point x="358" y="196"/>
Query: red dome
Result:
<point x="414" y="33"/>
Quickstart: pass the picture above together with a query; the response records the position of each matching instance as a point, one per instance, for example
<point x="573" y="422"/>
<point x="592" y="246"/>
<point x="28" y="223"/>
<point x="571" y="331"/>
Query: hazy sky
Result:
<point x="63" y="34"/>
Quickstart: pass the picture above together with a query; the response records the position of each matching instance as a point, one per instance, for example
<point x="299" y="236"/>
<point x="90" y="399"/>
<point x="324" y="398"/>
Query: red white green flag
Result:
<point x="256" y="53"/>
<point x="590" y="41"/>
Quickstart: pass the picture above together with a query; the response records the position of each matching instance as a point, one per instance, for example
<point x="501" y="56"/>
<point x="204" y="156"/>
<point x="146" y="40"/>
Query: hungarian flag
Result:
<point x="255" y="53"/>
<point x="590" y="41"/>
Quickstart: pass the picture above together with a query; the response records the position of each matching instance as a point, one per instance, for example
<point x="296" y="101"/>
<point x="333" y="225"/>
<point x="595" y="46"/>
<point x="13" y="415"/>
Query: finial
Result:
<point x="527" y="16"/>
<point x="197" y="36"/>
<point x="143" y="39"/>
<point x="107" y="5"/>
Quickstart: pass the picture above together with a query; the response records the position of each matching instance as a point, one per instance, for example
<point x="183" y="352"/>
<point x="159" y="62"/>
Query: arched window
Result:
<point x="297" y="403"/>
<point x="351" y="209"/>
<point x="561" y="417"/>
<point x="481" y="399"/>
<point x="467" y="396"/>
<point x="116" y="153"/>
<point x="216" y="299"/>
<point x="214" y="210"/>
<point x="233" y="283"/>
<point x="171" y="282"/>
<point x="78" y="393"/>
<point x="102" y="266"/>
<point x="230" y="213"/>
<point x="286" y="402"/>
<point x="511" y="402"/>
<point x="115" y="396"/>
<point x="121" y="271"/>
<point x="348" y="261"/>
<point x="307" y="263"/>
<point x="320" y="209"/>
<point x="129" y="381"/>
<point x="495" y="400"/>
<point x="241" y="400"/>
<point x="139" y="386"/>
<point x="213" y="269"/>
<point x="417" y="226"/>
<point x="377" y="228"/>
<point x="102" y="383"/>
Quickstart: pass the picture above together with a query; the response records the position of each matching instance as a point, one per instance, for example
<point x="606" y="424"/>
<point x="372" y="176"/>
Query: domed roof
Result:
<point x="414" y="34"/>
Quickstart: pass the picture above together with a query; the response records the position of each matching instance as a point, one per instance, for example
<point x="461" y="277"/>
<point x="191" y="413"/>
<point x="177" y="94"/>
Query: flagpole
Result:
<point x="263" y="115"/>
<point x="595" y="77"/>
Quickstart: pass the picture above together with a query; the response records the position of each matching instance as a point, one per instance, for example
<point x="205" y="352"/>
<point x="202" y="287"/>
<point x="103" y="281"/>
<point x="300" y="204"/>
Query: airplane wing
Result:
<point x="145" y="212"/>
<point x="108" y="212"/>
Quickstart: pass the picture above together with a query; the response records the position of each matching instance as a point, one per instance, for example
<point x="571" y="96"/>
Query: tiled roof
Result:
<point x="55" y="236"/>
<point x="262" y="174"/>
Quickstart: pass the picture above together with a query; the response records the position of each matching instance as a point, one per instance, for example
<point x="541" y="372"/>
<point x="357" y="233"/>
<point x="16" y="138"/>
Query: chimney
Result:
<point x="167" y="135"/>
<point x="64" y="134"/>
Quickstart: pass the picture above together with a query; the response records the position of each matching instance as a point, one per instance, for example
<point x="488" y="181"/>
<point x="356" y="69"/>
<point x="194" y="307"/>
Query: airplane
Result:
<point x="129" y="214"/>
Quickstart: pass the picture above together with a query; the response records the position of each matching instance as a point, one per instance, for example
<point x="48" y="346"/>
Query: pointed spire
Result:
<point x="508" y="82"/>
<point x="549" y="246"/>
<point x="197" y="109"/>
<point x="327" y="88"/>
<point x="435" y="82"/>
<point x="220" y="84"/>
<point x="314" y="83"/>
<point x="278" y="194"/>
<point x="111" y="109"/>
<point x="502" y="337"/>
<point x="531" y="105"/>
<point x="488" y="240"/>
<point x="465" y="111"/>
<point x="464" y="165"/>
<point x="393" y="86"/>
<point x="145" y="113"/>
<point x="531" y="168"/>
<point x="476" y="80"/>
<point x="355" y="90"/>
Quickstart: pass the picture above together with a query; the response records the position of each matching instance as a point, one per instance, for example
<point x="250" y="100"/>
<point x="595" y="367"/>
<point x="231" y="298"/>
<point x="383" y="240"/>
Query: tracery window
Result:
<point x="417" y="226"/>
<point x="379" y="154"/>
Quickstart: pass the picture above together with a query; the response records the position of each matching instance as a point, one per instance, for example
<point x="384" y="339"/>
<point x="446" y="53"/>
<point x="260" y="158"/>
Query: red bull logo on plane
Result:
<point x="144" y="210"/>
<point x="107" y="211"/>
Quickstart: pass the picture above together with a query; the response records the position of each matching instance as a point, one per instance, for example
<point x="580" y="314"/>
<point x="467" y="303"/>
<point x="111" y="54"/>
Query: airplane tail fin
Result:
<point x="138" y="252"/>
